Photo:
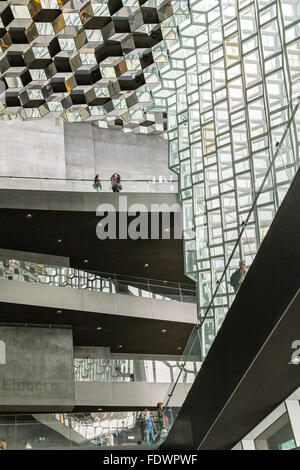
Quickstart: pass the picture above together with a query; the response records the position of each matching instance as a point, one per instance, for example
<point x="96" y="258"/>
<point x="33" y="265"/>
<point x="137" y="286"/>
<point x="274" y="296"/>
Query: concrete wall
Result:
<point x="104" y="353"/>
<point x="52" y="148"/>
<point x="133" y="156"/>
<point x="32" y="148"/>
<point x="38" y="371"/>
<point x="127" y="394"/>
<point x="27" y="293"/>
<point x="81" y="201"/>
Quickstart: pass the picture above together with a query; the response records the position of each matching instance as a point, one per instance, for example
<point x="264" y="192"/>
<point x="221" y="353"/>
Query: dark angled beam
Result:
<point x="246" y="373"/>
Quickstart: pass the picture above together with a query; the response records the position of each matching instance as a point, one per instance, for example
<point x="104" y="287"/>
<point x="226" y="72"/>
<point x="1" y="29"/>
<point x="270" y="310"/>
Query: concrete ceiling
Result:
<point x="77" y="232"/>
<point x="136" y="335"/>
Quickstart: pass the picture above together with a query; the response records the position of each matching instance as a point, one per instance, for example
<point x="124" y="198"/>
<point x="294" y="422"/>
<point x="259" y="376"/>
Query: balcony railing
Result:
<point x="160" y="184"/>
<point x="131" y="370"/>
<point x="97" y="282"/>
<point x="215" y="301"/>
<point x="93" y="430"/>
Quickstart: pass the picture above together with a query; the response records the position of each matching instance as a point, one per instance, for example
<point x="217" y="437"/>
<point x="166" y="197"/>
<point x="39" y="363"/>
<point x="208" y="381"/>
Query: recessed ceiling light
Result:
<point x="165" y="282"/>
<point x="59" y="240"/>
<point x="179" y="348"/>
<point x="146" y="265"/>
<point x="86" y="261"/>
<point x="99" y="409"/>
<point x="120" y="346"/>
<point x="163" y="331"/>
<point x="99" y="328"/>
<point x="58" y="311"/>
<point x="28" y="216"/>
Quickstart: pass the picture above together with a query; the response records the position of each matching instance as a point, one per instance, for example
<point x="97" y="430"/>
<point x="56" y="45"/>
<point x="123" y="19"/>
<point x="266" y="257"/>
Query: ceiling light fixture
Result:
<point x="99" y="328"/>
<point x="58" y="311"/>
<point x="120" y="346"/>
<point x="28" y="216"/>
<point x="86" y="261"/>
<point x="59" y="240"/>
<point x="163" y="331"/>
<point x="146" y="265"/>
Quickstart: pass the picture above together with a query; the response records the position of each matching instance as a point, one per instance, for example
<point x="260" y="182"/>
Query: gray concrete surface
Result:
<point x="54" y="149"/>
<point x="81" y="201"/>
<point x="104" y="353"/>
<point x="25" y="293"/>
<point x="39" y="369"/>
<point x="38" y="375"/>
<point x="118" y="394"/>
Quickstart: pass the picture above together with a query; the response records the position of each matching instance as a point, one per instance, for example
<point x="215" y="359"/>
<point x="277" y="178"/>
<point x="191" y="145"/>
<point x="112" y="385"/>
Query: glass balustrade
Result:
<point x="156" y="184"/>
<point x="132" y="370"/>
<point x="58" y="276"/>
<point x="97" y="430"/>
<point x="216" y="298"/>
<point x="93" y="431"/>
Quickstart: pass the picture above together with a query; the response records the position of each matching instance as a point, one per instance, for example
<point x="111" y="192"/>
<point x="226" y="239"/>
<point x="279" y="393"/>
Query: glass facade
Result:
<point x="279" y="430"/>
<point x="86" y="60"/>
<point x="230" y="89"/>
<point x="129" y="370"/>
<point x="224" y="73"/>
<point x="62" y="431"/>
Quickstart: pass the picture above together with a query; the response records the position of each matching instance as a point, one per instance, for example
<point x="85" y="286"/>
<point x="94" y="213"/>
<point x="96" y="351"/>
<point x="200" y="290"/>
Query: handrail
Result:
<point x="131" y="180"/>
<point x="124" y="370"/>
<point x="147" y="279"/>
<point x="71" y="277"/>
<point x="199" y="325"/>
<point x="175" y="384"/>
<point x="244" y="224"/>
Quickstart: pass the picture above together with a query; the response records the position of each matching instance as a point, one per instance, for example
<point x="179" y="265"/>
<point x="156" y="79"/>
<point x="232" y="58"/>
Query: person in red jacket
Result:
<point x="116" y="183"/>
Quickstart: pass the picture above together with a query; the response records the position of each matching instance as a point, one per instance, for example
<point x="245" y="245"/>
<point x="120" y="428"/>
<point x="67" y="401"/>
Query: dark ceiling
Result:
<point x="77" y="232"/>
<point x="136" y="335"/>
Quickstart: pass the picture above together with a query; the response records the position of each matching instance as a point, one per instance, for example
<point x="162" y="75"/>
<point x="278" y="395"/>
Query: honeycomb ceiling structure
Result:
<point x="82" y="60"/>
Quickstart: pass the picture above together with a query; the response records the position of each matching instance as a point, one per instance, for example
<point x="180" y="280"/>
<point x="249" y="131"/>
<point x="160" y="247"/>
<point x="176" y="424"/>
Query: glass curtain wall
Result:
<point x="230" y="88"/>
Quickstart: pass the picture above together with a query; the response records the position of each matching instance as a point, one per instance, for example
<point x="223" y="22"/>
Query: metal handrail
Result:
<point x="65" y="276"/>
<point x="131" y="180"/>
<point x="244" y="223"/>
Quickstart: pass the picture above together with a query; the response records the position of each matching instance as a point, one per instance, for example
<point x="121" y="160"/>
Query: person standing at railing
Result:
<point x="97" y="183"/>
<point x="161" y="422"/>
<point x="238" y="276"/>
<point x="148" y="428"/>
<point x="116" y="183"/>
